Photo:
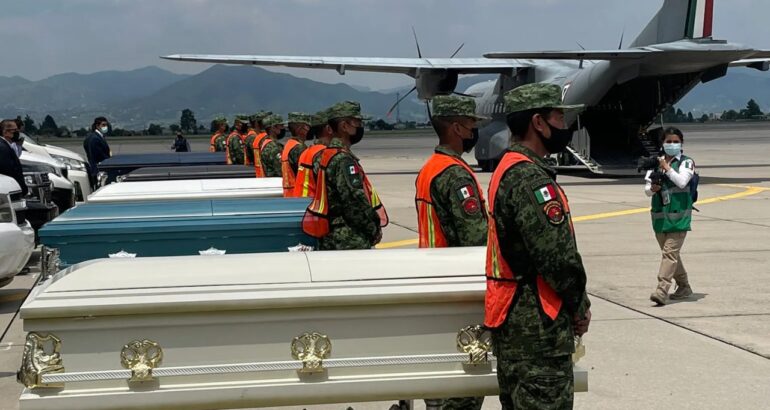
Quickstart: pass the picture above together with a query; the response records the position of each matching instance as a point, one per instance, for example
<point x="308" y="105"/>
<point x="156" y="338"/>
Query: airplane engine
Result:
<point x="435" y="82"/>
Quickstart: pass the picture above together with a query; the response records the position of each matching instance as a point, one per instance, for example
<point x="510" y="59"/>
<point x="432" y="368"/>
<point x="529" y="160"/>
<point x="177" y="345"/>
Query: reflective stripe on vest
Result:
<point x="428" y="225"/>
<point x="316" y="220"/>
<point x="213" y="142"/>
<point x="227" y="147"/>
<point x="287" y="172"/>
<point x="501" y="280"/>
<point x="304" y="186"/>
<point x="246" y="148"/>
<point x="260" y="172"/>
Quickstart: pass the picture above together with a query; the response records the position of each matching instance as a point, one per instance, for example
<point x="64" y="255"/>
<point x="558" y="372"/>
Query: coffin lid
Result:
<point x="188" y="189"/>
<point x="162" y="159"/>
<point x="259" y="281"/>
<point x="190" y="172"/>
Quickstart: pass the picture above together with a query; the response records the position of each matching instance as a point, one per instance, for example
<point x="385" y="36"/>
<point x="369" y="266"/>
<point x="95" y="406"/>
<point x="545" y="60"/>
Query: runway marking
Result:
<point x="747" y="191"/>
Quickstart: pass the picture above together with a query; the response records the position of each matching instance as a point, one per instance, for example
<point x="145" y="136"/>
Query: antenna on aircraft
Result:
<point x="457" y="51"/>
<point x="416" y="43"/>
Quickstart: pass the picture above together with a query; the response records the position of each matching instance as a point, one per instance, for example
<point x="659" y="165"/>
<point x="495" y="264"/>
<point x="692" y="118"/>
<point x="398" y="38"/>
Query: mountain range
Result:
<point x="133" y="99"/>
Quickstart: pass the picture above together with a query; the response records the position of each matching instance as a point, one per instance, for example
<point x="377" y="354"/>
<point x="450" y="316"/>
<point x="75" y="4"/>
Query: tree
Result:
<point x="81" y="132"/>
<point x="704" y="118"/>
<point x="669" y="115"/>
<point x="731" y="115"/>
<point x="155" y="129"/>
<point x="752" y="110"/>
<point x="63" y="132"/>
<point x="29" y="125"/>
<point x="188" y="122"/>
<point x="174" y="128"/>
<point x="690" y="118"/>
<point x="48" y="127"/>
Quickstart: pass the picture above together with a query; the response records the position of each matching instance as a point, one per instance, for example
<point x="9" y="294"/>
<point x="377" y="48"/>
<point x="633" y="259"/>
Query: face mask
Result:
<point x="672" y="150"/>
<point x="468" y="144"/>
<point x="559" y="140"/>
<point x="16" y="136"/>
<point x="311" y="133"/>
<point x="245" y="128"/>
<point x="281" y="134"/>
<point x="104" y="130"/>
<point x="358" y="136"/>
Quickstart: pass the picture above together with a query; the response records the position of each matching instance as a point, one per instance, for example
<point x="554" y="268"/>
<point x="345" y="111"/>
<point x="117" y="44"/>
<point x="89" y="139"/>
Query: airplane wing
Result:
<point x="634" y="54"/>
<point x="762" y="64"/>
<point x="408" y="66"/>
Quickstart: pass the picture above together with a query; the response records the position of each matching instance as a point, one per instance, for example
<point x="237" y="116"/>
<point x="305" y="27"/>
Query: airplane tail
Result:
<point x="677" y="20"/>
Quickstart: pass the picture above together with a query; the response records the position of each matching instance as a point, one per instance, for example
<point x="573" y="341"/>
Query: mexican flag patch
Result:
<point x="466" y="192"/>
<point x="545" y="194"/>
<point x="353" y="170"/>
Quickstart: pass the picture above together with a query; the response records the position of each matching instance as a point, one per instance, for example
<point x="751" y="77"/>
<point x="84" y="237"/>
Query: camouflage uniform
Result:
<point x="249" y="141"/>
<point x="353" y="223"/>
<point x="218" y="139"/>
<point x="534" y="364"/>
<point x="461" y="225"/>
<point x="272" y="149"/>
<point x="297" y="118"/>
<point x="235" y="145"/>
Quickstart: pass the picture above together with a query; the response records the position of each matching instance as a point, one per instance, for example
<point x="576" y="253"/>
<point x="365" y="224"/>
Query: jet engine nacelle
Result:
<point x="430" y="83"/>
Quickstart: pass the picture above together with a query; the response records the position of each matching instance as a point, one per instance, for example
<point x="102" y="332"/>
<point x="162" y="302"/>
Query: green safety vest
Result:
<point x="676" y="215"/>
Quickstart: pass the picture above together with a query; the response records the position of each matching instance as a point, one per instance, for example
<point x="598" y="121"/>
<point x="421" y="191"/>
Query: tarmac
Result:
<point x="709" y="352"/>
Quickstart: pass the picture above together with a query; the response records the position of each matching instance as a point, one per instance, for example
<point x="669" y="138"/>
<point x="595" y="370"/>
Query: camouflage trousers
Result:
<point x="545" y="383"/>
<point x="463" y="403"/>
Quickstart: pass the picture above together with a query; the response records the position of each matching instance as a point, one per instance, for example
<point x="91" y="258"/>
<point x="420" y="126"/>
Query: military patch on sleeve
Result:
<point x="689" y="165"/>
<point x="353" y="170"/>
<point x="554" y="212"/>
<point x="466" y="192"/>
<point x="471" y="206"/>
<point x="545" y="193"/>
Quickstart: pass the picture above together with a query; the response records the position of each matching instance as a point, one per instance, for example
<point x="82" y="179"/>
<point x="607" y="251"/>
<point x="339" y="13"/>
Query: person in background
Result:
<point x="269" y="148"/>
<point x="256" y="131"/>
<point x="672" y="206"/>
<point x="180" y="143"/>
<point x="217" y="142"/>
<point x="96" y="147"/>
<point x="310" y="160"/>
<point x="22" y="136"/>
<point x="234" y="151"/>
<point x="299" y="125"/>
<point x="9" y="161"/>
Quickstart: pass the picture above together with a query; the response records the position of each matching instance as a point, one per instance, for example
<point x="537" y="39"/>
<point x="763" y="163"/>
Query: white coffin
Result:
<point x="189" y="189"/>
<point x="226" y="326"/>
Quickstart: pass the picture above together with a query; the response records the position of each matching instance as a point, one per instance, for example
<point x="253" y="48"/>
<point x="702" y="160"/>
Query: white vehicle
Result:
<point x="17" y="238"/>
<point x="62" y="190"/>
<point x="77" y="171"/>
<point x="189" y="189"/>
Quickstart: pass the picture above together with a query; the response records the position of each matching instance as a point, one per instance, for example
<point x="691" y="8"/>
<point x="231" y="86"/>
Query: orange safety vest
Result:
<point x="304" y="185"/>
<point x="256" y="148"/>
<point x="286" y="170"/>
<point x="316" y="220"/>
<point x="227" y="146"/>
<point x="246" y="160"/>
<point x="428" y="225"/>
<point x="213" y="143"/>
<point x="501" y="282"/>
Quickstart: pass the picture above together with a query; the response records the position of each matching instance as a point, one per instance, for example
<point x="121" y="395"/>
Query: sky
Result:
<point x="48" y="37"/>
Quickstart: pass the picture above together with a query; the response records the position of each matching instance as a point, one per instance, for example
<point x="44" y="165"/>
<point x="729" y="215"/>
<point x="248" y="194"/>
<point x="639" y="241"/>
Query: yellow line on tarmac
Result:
<point x="747" y="191"/>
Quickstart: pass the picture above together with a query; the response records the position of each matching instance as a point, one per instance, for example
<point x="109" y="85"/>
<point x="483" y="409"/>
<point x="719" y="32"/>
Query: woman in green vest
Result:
<point x="672" y="203"/>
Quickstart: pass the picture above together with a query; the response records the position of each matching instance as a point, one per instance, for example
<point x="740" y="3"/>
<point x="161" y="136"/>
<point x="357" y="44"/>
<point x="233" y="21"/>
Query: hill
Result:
<point x="730" y="92"/>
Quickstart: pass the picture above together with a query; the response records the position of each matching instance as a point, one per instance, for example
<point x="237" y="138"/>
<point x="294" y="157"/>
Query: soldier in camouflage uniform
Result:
<point x="270" y="149"/>
<point x="217" y="142"/>
<point x="536" y="301"/>
<point x="299" y="126"/>
<point x="236" y="154"/>
<point x="256" y="128"/>
<point x="450" y="204"/>
<point x="352" y="208"/>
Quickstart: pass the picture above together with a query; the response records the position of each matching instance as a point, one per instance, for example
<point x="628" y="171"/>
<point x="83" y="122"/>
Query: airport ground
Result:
<point x="709" y="352"/>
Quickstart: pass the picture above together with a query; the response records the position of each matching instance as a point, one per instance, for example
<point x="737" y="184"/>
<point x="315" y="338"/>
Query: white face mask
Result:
<point x="104" y="130"/>
<point x="672" y="149"/>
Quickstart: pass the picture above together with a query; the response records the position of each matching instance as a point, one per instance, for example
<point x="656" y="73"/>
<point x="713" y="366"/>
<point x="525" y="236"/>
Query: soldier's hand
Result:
<point x="378" y="238"/>
<point x="581" y="324"/>
<point x="655" y="188"/>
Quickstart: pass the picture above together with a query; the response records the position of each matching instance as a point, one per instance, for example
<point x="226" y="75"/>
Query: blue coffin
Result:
<point x="125" y="163"/>
<point x="91" y="231"/>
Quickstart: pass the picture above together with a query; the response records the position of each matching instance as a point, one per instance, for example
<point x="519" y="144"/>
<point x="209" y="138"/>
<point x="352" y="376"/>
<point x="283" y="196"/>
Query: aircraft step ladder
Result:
<point x="588" y="162"/>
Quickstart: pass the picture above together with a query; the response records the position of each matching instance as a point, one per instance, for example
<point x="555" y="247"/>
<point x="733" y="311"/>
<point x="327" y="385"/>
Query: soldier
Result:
<point x="217" y="142"/>
<point x="256" y="131"/>
<point x="269" y="147"/>
<point x="234" y="143"/>
<point x="299" y="125"/>
<point x="310" y="160"/>
<point x="536" y="301"/>
<point x="346" y="212"/>
<point x="450" y="206"/>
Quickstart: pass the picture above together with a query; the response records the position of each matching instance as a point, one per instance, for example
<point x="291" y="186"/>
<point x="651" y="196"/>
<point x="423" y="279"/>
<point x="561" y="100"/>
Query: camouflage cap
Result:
<point x="220" y="120"/>
<point x="272" y="119"/>
<point x="346" y="109"/>
<point x="319" y="118"/>
<point x="536" y="95"/>
<point x="260" y="115"/>
<point x="242" y="118"/>
<point x="453" y="106"/>
<point x="299" y="118"/>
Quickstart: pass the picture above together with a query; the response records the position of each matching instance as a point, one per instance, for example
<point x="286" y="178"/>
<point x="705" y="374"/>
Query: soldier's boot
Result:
<point x="682" y="292"/>
<point x="659" y="296"/>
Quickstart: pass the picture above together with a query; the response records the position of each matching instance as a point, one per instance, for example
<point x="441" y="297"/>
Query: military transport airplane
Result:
<point x="625" y="90"/>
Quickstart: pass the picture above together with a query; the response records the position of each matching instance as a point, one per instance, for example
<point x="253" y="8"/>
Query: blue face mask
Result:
<point x="672" y="149"/>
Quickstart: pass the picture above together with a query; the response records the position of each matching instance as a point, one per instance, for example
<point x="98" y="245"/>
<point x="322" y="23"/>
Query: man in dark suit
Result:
<point x="96" y="147"/>
<point x="9" y="160"/>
